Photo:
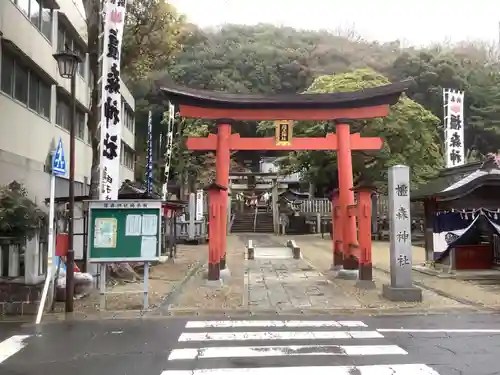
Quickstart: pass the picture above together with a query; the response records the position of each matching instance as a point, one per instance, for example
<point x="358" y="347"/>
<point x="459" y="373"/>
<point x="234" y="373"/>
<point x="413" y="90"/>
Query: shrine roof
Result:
<point x="387" y="94"/>
<point x="175" y="204"/>
<point x="454" y="183"/>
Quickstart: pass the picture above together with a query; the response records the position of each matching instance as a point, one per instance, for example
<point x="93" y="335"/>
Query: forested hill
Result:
<point x="269" y="59"/>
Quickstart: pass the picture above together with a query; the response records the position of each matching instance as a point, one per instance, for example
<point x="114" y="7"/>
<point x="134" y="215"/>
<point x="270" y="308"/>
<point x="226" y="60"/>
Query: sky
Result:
<point x="418" y="22"/>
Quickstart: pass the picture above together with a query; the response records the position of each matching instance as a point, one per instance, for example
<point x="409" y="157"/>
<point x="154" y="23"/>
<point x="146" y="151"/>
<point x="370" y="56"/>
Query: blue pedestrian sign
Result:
<point x="58" y="161"/>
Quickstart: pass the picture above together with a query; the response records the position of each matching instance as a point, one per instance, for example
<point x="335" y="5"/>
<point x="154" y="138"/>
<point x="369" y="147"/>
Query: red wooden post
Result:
<point x="214" y="252"/>
<point x="223" y="161"/>
<point x="364" y="215"/>
<point x="337" y="230"/>
<point x="346" y="195"/>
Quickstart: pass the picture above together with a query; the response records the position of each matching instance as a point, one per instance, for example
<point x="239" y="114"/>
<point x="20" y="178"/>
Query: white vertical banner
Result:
<point x="111" y="106"/>
<point x="454" y="127"/>
<point x="168" y="147"/>
<point x="199" y="204"/>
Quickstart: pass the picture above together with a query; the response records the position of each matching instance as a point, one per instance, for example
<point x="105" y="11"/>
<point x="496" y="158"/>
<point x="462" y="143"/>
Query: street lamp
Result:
<point x="67" y="63"/>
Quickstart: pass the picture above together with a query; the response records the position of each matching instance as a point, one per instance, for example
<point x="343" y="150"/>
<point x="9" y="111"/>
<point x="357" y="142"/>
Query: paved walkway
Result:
<point x="439" y="291"/>
<point x="291" y="284"/>
<point x="281" y="285"/>
<point x="305" y="286"/>
<point x="263" y="285"/>
<point x="278" y="282"/>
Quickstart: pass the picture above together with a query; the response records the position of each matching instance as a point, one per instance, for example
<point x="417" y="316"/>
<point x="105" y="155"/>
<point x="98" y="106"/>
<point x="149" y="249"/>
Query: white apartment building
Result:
<point x="34" y="98"/>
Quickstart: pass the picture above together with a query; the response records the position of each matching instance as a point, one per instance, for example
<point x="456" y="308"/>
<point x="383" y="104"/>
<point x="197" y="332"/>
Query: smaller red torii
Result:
<point x="328" y="143"/>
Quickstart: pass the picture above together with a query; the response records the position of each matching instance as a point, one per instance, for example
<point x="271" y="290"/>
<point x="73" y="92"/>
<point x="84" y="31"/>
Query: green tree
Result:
<point x="483" y="121"/>
<point x="269" y="59"/>
<point x="468" y="67"/>
<point x="151" y="38"/>
<point x="19" y="217"/>
<point x="409" y="134"/>
<point x="195" y="169"/>
<point x="432" y="71"/>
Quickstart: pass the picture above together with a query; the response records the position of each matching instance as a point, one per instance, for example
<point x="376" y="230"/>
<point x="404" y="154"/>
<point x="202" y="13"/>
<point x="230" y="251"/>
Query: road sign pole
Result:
<point x="50" y="255"/>
<point x="58" y="169"/>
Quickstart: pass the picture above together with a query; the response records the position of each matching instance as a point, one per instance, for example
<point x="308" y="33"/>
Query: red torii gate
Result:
<point x="341" y="107"/>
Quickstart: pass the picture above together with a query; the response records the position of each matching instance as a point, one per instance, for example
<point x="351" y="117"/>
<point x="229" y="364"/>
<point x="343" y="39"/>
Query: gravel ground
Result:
<point x="198" y="295"/>
<point x="163" y="278"/>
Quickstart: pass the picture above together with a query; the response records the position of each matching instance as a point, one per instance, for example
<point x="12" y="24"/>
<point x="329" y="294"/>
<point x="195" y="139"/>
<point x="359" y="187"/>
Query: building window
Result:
<point x="45" y="95"/>
<point x="127" y="156"/>
<point x="24" y="5"/>
<point x="80" y="124"/>
<point x="7" y="74"/>
<point x="46" y="23"/>
<point x="25" y="85"/>
<point x="39" y="16"/>
<point x="81" y="67"/>
<point x="63" y="116"/>
<point x="62" y="113"/>
<point x="128" y="116"/>
<point x="66" y="41"/>
<point x="21" y="77"/>
<point x="34" y="91"/>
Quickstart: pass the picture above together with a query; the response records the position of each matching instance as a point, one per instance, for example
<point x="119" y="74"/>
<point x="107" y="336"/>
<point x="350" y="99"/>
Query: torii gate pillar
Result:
<point x="223" y="161"/>
<point x="346" y="198"/>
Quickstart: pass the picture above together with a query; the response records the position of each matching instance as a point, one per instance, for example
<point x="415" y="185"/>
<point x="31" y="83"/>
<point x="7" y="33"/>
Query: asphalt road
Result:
<point x="350" y="345"/>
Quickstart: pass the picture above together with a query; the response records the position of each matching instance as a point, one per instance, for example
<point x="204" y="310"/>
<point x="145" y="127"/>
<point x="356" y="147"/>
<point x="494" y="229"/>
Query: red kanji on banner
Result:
<point x="116" y="16"/>
<point x="455" y="107"/>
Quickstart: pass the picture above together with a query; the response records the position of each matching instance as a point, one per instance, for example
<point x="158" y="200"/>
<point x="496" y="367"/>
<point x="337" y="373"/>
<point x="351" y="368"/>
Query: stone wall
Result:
<point x="19" y="299"/>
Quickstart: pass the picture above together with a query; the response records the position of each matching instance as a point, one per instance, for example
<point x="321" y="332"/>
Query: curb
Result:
<point x="245" y="313"/>
<point x="179" y="312"/>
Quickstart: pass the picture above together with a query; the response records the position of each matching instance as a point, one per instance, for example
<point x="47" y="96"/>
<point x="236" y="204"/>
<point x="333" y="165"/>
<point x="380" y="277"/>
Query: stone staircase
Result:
<point x="243" y="222"/>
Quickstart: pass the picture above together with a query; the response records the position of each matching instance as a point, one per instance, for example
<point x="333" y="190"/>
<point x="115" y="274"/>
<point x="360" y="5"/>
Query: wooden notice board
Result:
<point x="124" y="231"/>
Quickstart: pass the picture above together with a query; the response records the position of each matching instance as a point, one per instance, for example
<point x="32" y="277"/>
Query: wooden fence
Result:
<point x="323" y="206"/>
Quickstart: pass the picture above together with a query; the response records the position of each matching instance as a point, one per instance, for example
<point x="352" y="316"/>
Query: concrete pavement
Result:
<point x="298" y="286"/>
<point x="477" y="295"/>
<point x="410" y="345"/>
<point x="307" y="286"/>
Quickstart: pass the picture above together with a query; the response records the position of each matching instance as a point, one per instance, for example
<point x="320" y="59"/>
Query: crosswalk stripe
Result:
<point x="405" y="369"/>
<point x="273" y="323"/>
<point x="292" y="350"/>
<point x="11" y="346"/>
<point x="277" y="335"/>
<point x="219" y="342"/>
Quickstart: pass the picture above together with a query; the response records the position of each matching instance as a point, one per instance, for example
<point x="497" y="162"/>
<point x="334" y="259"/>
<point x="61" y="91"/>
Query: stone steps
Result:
<point x="243" y="223"/>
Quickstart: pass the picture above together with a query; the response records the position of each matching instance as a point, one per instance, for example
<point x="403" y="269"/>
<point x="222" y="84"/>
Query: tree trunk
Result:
<point x="92" y="10"/>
